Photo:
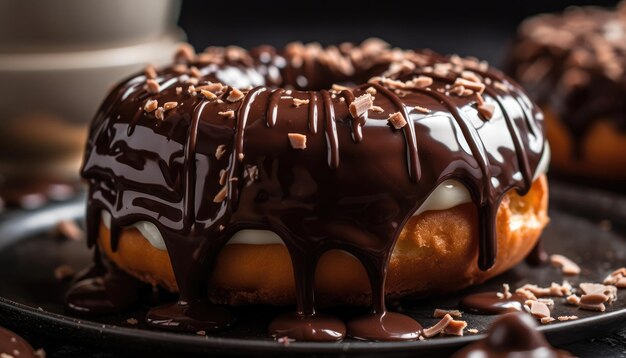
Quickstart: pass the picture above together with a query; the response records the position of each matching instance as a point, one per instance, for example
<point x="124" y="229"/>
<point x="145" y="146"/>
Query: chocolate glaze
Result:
<point x="574" y="63"/>
<point x="14" y="346"/>
<point x="102" y="289"/>
<point x="488" y="303"/>
<point x="353" y="188"/>
<point x="512" y="335"/>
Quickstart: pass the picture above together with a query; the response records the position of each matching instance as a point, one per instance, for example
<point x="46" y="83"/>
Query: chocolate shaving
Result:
<point x="195" y="72"/>
<point x="568" y="267"/>
<point x="159" y="113"/>
<point x="486" y="110"/>
<point x="455" y="328"/>
<point x="539" y="310"/>
<point x="230" y="114"/>
<point x="438" y="327"/>
<point x="377" y="109"/>
<point x="235" y="96"/>
<point x="299" y="102"/>
<point x="208" y="94"/>
<point x="285" y="340"/>
<point x="546" y="320"/>
<point x="150" y="105"/>
<point x="458" y="90"/>
<point x="472" y="330"/>
<point x="184" y="54"/>
<point x="297" y="140"/>
<point x="132" y="321"/>
<point x="179" y="91"/>
<point x="617" y="278"/>
<point x="212" y="87"/>
<point x="170" y="105"/>
<point x="566" y="318"/>
<point x="339" y="88"/>
<point x="593" y="298"/>
<point x="573" y="300"/>
<point x="421" y="109"/>
<point x="371" y="91"/>
<point x="397" y="120"/>
<point x="223" y="176"/>
<point x="221" y="195"/>
<point x="361" y="105"/>
<point x="477" y="87"/>
<point x="420" y="82"/>
<point x="152" y="86"/>
<point x="440" y="313"/>
<point x="180" y="69"/>
<point x="471" y="76"/>
<point x="150" y="72"/>
<point x="219" y="152"/>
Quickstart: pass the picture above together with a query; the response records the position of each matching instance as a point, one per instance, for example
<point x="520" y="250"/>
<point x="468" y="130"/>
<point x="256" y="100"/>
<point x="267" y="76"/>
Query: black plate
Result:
<point x="587" y="226"/>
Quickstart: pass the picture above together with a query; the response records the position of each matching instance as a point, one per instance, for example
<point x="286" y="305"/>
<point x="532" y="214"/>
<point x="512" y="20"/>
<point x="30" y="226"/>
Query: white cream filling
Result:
<point x="447" y="195"/>
<point x="147" y="229"/>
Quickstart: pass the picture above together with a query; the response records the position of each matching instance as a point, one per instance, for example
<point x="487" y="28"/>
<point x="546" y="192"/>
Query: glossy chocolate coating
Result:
<point x="512" y="335"/>
<point x="574" y="63"/>
<point x="353" y="187"/>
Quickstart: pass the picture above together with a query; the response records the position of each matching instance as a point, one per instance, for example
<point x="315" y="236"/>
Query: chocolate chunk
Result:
<point x="397" y="120"/>
<point x="297" y="141"/>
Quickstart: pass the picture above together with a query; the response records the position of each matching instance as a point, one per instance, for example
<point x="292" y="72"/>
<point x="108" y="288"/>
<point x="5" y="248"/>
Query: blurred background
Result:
<point x="58" y="58"/>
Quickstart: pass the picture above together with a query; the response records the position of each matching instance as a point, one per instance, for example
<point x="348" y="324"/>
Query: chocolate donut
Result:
<point x="310" y="150"/>
<point x="572" y="64"/>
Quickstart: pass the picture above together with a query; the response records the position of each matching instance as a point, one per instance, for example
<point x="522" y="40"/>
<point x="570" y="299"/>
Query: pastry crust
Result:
<point x="436" y="253"/>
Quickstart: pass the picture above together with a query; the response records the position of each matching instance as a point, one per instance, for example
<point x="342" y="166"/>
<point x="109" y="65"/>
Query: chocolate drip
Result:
<point x="352" y="188"/>
<point x="512" y="335"/>
<point x="102" y="289"/>
<point x="409" y="135"/>
<point x="332" y="143"/>
<point x="272" y="108"/>
<point x="313" y="112"/>
<point x="12" y="345"/>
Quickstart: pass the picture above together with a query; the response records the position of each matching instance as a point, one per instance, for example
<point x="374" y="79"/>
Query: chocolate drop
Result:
<point x="384" y="326"/>
<point x="317" y="327"/>
<point x="488" y="303"/>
